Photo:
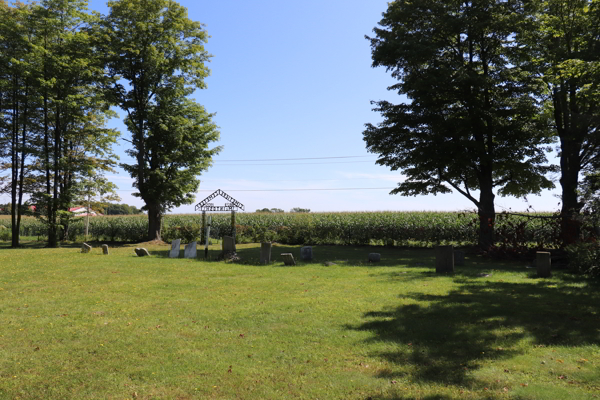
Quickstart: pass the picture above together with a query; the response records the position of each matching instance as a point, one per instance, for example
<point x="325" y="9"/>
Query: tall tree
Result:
<point x="73" y="110"/>
<point x="471" y="119"/>
<point x="17" y="103"/>
<point x="564" y="39"/>
<point x="158" y="54"/>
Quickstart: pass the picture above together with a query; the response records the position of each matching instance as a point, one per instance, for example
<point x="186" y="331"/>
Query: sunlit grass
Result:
<point x="90" y="326"/>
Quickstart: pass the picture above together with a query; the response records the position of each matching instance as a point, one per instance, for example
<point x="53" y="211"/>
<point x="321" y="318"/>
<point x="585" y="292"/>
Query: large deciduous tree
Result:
<point x="158" y="55"/>
<point x="563" y="37"/>
<point x="73" y="110"/>
<point x="471" y="119"/>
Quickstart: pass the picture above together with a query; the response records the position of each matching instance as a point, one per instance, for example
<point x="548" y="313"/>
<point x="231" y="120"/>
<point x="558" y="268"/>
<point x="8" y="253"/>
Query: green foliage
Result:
<point x="5" y="233"/>
<point x="471" y="121"/>
<point x="585" y="258"/>
<point x="170" y="133"/>
<point x="359" y="228"/>
<point x="121" y="209"/>
<point x="300" y="210"/>
<point x="187" y="233"/>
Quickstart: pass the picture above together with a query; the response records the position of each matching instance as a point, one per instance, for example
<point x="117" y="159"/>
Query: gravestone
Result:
<point x="190" y="250"/>
<point x="374" y="257"/>
<point x="306" y="253"/>
<point x="459" y="257"/>
<point x="175" y="245"/>
<point x="85" y="248"/>
<point x="543" y="262"/>
<point x="105" y="249"/>
<point x="288" y="259"/>
<point x="265" y="252"/>
<point x="141" y="252"/>
<point x="444" y="259"/>
<point x="228" y="245"/>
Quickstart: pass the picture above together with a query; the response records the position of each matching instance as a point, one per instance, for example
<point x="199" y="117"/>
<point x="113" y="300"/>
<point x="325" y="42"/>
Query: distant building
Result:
<point x="83" y="211"/>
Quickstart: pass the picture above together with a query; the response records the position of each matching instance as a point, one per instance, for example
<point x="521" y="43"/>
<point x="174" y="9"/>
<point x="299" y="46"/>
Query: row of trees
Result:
<point x="491" y="86"/>
<point x="62" y="68"/>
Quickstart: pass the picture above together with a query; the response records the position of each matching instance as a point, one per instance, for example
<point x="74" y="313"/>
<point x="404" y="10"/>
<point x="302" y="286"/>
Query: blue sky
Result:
<point x="294" y="80"/>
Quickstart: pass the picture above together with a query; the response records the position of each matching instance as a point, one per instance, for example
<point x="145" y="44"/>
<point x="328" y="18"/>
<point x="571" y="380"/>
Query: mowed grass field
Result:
<point x="90" y="326"/>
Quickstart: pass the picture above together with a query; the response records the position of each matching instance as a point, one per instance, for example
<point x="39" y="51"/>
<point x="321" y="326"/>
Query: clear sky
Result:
<point x="293" y="79"/>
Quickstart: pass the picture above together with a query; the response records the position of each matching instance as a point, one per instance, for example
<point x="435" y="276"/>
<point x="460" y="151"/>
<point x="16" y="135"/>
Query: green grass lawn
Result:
<point x="90" y="326"/>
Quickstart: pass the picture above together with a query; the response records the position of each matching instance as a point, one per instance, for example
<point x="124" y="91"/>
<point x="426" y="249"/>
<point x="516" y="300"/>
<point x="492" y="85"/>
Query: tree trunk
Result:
<point x="154" y="222"/>
<point x="487" y="218"/>
<point x="570" y="165"/>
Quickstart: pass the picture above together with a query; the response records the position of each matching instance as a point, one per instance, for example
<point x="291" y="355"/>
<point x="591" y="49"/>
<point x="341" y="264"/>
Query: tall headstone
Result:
<point x="444" y="259"/>
<point x="190" y="250"/>
<point x="459" y="257"/>
<point x="306" y="253"/>
<point x="175" y="246"/>
<point x="265" y="252"/>
<point x="228" y="245"/>
<point x="543" y="262"/>
<point x="85" y="248"/>
<point x="105" y="249"/>
<point x="288" y="259"/>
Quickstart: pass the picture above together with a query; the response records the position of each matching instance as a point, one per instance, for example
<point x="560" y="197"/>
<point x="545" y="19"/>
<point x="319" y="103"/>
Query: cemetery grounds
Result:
<point x="117" y="326"/>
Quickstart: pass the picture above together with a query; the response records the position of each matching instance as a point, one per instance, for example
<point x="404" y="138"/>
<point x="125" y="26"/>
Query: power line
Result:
<point x="335" y="162"/>
<point x="294" y="180"/>
<point x="294" y="159"/>
<point x="293" y="190"/>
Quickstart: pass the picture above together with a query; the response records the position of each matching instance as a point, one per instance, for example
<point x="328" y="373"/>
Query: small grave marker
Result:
<point x="444" y="259"/>
<point x="190" y="250"/>
<point x="265" y="252"/>
<point x="228" y="244"/>
<point x="141" y="252"/>
<point x="374" y="257"/>
<point x="288" y="259"/>
<point x="175" y="247"/>
<point x="543" y="261"/>
<point x="105" y="249"/>
<point x="306" y="253"/>
<point x="85" y="248"/>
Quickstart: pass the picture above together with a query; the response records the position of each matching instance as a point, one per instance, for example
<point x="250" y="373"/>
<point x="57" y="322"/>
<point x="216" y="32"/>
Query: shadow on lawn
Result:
<point x="449" y="335"/>
<point x="341" y="255"/>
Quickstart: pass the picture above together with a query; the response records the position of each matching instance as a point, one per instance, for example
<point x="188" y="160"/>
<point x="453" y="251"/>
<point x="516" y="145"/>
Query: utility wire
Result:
<point x="293" y="159"/>
<point x="310" y="163"/>
<point x="280" y="190"/>
<point x="292" y="190"/>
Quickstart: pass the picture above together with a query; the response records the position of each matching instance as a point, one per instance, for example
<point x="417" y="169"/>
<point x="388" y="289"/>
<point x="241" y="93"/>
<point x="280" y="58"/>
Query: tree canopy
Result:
<point x="471" y="121"/>
<point x="157" y="56"/>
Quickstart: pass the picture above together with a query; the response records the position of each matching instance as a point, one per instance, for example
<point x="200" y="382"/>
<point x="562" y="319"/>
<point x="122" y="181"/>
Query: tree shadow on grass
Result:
<point x="441" y="338"/>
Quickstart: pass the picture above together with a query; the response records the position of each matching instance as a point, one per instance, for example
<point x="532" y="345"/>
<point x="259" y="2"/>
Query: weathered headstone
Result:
<point x="105" y="249"/>
<point x="85" y="248"/>
<point x="288" y="259"/>
<point x="374" y="257"/>
<point x="190" y="250"/>
<point x="459" y="257"/>
<point x="265" y="252"/>
<point x="543" y="262"/>
<point x="444" y="259"/>
<point x="175" y="247"/>
<point x="141" y="252"/>
<point x="306" y="253"/>
<point x="228" y="245"/>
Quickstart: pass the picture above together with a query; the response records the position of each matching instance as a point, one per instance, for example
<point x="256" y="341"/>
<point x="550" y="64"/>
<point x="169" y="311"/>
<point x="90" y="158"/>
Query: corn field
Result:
<point x="346" y="228"/>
